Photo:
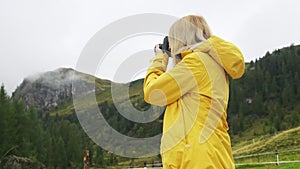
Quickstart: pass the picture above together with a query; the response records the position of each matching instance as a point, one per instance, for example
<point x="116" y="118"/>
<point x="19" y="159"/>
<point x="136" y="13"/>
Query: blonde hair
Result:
<point x="186" y="32"/>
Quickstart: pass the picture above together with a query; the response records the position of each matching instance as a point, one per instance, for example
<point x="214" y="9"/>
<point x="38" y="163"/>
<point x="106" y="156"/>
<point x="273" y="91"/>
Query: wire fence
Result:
<point x="267" y="158"/>
<point x="275" y="157"/>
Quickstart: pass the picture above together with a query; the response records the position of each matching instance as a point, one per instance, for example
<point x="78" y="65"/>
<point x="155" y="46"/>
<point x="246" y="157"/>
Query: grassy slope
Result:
<point x="102" y="95"/>
<point x="286" y="140"/>
<point x="287" y="143"/>
<point x="281" y="166"/>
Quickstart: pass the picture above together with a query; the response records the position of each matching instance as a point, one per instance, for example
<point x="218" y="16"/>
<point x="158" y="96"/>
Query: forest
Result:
<point x="269" y="93"/>
<point x="56" y="142"/>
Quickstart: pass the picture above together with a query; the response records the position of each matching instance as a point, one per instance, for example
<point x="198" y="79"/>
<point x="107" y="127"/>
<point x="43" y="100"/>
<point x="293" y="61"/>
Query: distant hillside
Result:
<point x="267" y="98"/>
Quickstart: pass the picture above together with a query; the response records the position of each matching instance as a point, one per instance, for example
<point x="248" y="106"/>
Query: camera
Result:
<point x="165" y="46"/>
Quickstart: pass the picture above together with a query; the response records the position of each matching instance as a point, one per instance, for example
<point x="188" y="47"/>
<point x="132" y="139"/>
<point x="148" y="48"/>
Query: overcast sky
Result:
<point x="43" y="35"/>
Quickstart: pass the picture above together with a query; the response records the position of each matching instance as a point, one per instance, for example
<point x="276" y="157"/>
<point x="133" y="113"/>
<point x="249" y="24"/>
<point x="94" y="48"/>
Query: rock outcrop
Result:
<point x="46" y="91"/>
<point x="14" y="162"/>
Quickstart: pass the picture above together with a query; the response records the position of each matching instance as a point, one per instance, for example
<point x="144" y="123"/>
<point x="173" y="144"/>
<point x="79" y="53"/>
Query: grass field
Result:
<point x="263" y="150"/>
<point x="281" y="166"/>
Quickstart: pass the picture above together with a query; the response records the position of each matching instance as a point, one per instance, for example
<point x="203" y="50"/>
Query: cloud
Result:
<point x="40" y="36"/>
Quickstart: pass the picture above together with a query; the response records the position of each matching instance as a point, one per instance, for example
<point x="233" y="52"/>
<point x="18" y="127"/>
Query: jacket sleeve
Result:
<point x="162" y="88"/>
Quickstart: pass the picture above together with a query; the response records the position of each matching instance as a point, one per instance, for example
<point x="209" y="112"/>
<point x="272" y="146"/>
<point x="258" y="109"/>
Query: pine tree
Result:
<point x="297" y="86"/>
<point x="60" y="153"/>
<point x="273" y="89"/>
<point x="99" y="159"/>
<point x="258" y="106"/>
<point x="73" y="144"/>
<point x="288" y="94"/>
<point x="6" y="138"/>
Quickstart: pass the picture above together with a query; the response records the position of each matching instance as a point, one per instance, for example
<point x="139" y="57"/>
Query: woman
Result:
<point x="195" y="92"/>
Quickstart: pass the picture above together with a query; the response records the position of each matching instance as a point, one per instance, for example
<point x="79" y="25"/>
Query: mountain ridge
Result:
<point x="46" y="91"/>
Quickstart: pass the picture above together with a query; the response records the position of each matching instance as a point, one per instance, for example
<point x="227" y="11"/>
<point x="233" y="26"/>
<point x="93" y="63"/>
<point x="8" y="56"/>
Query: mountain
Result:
<point x="47" y="91"/>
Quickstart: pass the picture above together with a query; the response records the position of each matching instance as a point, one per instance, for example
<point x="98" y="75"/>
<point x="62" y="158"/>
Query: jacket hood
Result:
<point x="225" y="54"/>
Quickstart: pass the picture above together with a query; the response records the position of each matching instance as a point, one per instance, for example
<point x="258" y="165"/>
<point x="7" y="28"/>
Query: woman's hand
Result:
<point x="157" y="50"/>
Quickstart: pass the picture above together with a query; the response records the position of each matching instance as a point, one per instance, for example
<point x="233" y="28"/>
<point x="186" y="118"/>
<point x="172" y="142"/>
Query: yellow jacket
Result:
<point x="195" y="93"/>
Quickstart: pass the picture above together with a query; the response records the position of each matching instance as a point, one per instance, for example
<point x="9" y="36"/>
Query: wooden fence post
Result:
<point x="277" y="155"/>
